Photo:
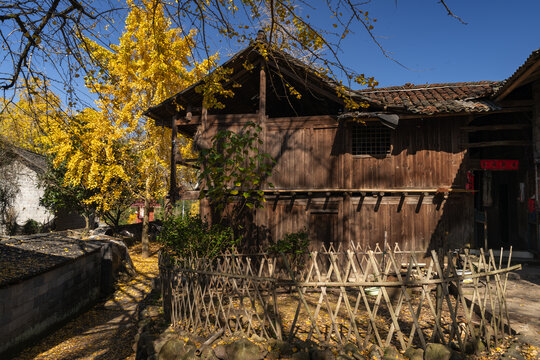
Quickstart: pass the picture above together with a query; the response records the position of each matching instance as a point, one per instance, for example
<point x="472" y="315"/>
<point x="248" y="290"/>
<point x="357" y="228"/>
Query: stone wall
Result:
<point x="33" y="306"/>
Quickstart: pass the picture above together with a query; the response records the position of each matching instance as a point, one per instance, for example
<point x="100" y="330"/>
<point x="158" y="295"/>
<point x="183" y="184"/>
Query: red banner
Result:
<point x="499" y="164"/>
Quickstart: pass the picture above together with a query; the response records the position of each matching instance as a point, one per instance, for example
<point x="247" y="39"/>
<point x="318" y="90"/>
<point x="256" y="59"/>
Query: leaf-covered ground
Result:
<point x="28" y="255"/>
<point x="107" y="330"/>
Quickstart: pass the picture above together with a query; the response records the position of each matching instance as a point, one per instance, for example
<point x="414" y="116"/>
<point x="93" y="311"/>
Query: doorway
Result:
<point x="497" y="208"/>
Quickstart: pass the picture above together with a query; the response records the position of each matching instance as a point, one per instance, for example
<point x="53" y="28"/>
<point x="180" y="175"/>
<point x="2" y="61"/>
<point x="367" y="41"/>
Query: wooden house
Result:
<point x="411" y="168"/>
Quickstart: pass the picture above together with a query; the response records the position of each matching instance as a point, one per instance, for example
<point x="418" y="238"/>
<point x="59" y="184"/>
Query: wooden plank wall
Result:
<point x="426" y="154"/>
<point x="420" y="228"/>
<point x="316" y="154"/>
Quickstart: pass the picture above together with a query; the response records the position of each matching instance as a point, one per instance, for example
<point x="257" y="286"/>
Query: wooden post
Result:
<point x="262" y="123"/>
<point x="262" y="95"/>
<point x="485" y="231"/>
<point x="205" y="207"/>
<point x="536" y="148"/>
<point x="204" y="118"/>
<point x="173" y="189"/>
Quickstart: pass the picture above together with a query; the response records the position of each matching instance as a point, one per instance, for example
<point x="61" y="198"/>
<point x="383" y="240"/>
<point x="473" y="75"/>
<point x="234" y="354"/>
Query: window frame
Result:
<point x="373" y="124"/>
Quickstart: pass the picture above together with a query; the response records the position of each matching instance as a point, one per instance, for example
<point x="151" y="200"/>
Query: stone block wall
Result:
<point x="31" y="307"/>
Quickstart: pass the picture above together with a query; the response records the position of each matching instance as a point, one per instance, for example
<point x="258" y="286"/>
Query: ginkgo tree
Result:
<point x="113" y="150"/>
<point x="26" y="117"/>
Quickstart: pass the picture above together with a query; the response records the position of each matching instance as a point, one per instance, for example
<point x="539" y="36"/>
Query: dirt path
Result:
<point x="523" y="296"/>
<point x="107" y="330"/>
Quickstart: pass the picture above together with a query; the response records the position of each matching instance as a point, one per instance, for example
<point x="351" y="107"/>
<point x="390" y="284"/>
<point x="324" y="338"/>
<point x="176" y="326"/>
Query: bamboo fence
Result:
<point x="335" y="296"/>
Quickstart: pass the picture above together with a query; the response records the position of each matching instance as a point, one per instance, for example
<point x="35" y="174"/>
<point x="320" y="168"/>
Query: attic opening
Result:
<point x="286" y="96"/>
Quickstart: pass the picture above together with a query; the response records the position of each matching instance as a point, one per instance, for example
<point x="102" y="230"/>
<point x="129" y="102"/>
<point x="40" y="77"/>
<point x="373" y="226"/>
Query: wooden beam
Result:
<point x="228" y="118"/>
<point x="459" y="114"/>
<point x="401" y="201"/>
<point x="517" y="102"/>
<point x="499" y="143"/>
<point x="496" y="127"/>
<point x="365" y="191"/>
<point x="172" y="186"/>
<point x="360" y="203"/>
<point x="379" y="201"/>
<point x="419" y="204"/>
<point x="307" y="83"/>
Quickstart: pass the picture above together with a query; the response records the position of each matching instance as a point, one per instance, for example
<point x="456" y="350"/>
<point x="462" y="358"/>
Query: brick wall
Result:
<point x="29" y="308"/>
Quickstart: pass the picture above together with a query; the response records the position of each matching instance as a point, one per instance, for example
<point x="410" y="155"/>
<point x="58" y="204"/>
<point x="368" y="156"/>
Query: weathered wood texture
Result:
<point x="432" y="224"/>
<point x="315" y="153"/>
<point x="424" y="154"/>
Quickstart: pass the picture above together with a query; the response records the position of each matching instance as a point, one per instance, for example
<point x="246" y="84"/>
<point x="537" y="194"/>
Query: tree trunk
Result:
<point x="86" y="222"/>
<point x="145" y="225"/>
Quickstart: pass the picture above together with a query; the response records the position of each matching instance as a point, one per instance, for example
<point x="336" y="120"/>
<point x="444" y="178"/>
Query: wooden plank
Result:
<point x="496" y="127"/>
<point x="499" y="143"/>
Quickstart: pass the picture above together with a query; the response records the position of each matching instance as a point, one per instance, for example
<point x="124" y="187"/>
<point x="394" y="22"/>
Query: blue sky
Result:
<point x="436" y="48"/>
<point x="432" y="46"/>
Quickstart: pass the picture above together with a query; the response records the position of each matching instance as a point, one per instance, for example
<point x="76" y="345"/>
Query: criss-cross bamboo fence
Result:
<point x="383" y="296"/>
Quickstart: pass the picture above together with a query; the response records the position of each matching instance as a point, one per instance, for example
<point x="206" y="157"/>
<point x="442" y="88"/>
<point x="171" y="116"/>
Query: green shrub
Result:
<point x="192" y="235"/>
<point x="31" y="226"/>
<point x="293" y="243"/>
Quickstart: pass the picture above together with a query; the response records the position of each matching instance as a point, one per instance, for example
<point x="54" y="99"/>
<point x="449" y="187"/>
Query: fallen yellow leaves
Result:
<point x="107" y="330"/>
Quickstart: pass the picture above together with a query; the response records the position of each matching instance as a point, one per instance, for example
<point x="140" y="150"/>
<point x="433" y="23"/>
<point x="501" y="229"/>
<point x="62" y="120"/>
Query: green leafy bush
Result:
<point x="192" y="235"/>
<point x="31" y="226"/>
<point x="234" y="170"/>
<point x="293" y="243"/>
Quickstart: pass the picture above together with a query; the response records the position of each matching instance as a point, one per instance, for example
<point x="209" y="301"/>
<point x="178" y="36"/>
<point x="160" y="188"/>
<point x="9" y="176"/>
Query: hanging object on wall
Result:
<point x="487" y="198"/>
<point x="531" y="204"/>
<point x="470" y="181"/>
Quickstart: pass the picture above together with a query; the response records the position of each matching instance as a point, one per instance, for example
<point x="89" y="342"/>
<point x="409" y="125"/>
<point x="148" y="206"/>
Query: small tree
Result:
<point x="58" y="196"/>
<point x="234" y="170"/>
<point x="8" y="189"/>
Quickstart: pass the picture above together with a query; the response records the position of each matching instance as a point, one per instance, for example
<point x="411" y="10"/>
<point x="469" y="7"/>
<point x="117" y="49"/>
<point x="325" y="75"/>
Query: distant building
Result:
<point x="25" y="170"/>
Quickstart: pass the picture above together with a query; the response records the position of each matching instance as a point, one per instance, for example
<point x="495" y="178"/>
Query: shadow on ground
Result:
<point x="107" y="330"/>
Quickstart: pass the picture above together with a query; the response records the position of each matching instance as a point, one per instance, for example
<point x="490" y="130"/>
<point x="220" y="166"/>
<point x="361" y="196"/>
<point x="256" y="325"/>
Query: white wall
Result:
<point x="26" y="203"/>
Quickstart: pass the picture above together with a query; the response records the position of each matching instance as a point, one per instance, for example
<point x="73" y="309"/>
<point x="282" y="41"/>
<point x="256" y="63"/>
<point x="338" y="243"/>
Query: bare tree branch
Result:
<point x="451" y="13"/>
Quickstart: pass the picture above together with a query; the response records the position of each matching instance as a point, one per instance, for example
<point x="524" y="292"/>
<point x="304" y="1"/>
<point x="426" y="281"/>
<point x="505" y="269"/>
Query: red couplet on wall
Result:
<point x="499" y="164"/>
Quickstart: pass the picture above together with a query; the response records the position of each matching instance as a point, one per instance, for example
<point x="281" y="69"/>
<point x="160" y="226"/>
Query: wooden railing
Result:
<point x="338" y="296"/>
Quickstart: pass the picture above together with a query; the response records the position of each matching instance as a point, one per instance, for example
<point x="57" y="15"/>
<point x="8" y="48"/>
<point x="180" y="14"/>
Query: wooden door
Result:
<point x="323" y="230"/>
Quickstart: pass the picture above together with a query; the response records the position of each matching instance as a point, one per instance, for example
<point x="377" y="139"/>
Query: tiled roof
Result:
<point x="531" y="60"/>
<point x="36" y="161"/>
<point x="434" y="98"/>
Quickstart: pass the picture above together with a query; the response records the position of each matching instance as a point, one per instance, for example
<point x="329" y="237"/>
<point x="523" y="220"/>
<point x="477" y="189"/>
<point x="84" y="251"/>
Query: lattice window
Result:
<point x="370" y="140"/>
